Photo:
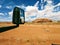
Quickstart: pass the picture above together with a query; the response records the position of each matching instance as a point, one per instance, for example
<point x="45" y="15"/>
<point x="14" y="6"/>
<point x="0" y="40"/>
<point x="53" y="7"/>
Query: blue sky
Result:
<point x="6" y="7"/>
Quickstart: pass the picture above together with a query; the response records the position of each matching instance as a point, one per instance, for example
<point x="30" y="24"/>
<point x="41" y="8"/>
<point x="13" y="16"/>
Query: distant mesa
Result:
<point x="42" y="20"/>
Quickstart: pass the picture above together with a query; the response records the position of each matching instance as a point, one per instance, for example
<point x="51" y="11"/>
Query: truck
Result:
<point x="18" y="16"/>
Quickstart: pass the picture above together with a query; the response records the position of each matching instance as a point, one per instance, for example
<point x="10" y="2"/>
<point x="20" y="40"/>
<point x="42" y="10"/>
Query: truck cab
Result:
<point x="18" y="16"/>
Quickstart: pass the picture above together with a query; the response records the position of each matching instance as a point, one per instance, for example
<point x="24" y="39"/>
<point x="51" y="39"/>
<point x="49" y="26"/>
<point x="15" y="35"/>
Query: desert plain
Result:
<point x="30" y="34"/>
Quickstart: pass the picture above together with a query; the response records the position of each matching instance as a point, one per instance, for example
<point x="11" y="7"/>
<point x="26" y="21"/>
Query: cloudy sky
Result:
<point x="33" y="9"/>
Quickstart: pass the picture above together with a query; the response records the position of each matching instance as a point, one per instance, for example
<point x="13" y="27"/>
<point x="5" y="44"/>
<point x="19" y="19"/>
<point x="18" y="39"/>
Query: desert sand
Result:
<point x="30" y="34"/>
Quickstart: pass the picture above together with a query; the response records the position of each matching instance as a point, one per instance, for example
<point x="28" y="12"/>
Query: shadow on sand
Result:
<point x="3" y="29"/>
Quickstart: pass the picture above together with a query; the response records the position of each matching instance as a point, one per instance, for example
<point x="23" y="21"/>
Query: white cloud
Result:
<point x="10" y="13"/>
<point x="36" y="3"/>
<point x="0" y="6"/>
<point x="5" y="20"/>
<point x="9" y="7"/>
<point x="46" y="13"/>
<point x="33" y="11"/>
<point x="1" y="14"/>
<point x="21" y="6"/>
<point x="45" y="0"/>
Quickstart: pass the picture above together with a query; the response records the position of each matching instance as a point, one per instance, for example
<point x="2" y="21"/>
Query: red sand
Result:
<point x="31" y="34"/>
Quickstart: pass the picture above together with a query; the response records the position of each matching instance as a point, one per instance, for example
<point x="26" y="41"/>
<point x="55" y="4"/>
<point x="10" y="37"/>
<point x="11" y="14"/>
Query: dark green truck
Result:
<point x="18" y="16"/>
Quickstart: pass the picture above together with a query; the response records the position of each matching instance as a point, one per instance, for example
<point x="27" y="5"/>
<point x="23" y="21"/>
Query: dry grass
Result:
<point x="31" y="34"/>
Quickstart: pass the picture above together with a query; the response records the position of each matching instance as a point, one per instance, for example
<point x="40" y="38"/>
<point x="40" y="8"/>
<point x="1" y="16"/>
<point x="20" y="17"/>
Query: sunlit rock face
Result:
<point x="42" y="20"/>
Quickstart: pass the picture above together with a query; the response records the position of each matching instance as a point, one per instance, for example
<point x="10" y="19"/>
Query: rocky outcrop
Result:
<point x="42" y="20"/>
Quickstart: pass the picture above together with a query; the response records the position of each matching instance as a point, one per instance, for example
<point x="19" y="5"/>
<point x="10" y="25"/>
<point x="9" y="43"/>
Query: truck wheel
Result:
<point x="17" y="25"/>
